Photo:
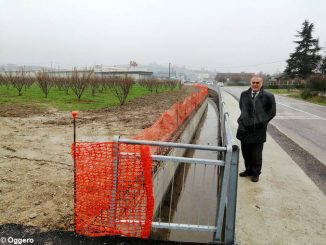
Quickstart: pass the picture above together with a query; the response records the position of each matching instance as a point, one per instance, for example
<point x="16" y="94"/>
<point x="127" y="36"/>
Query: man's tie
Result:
<point x="253" y="95"/>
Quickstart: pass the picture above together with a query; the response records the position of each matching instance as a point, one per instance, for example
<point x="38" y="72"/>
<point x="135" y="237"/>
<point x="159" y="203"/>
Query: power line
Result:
<point x="237" y="66"/>
<point x="259" y="64"/>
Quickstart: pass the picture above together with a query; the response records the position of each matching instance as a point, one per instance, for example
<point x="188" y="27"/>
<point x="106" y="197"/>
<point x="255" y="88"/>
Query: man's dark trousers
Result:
<point x="252" y="154"/>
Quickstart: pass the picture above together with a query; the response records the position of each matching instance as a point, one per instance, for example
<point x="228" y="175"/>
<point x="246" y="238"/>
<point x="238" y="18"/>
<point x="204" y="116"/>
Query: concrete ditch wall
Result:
<point x="163" y="176"/>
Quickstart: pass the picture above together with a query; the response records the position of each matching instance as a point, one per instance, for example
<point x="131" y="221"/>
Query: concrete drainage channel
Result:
<point x="165" y="173"/>
<point x="193" y="188"/>
<point x="214" y="177"/>
<point x="212" y="184"/>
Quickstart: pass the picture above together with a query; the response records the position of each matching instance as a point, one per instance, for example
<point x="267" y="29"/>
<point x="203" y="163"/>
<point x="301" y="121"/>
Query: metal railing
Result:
<point x="229" y="183"/>
<point x="226" y="166"/>
<point x="176" y="160"/>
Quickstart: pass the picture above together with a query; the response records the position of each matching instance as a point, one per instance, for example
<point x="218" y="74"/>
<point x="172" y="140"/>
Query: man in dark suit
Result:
<point x="257" y="107"/>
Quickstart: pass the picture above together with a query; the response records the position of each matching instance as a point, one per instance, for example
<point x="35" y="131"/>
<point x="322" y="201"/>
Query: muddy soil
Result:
<point x="36" y="168"/>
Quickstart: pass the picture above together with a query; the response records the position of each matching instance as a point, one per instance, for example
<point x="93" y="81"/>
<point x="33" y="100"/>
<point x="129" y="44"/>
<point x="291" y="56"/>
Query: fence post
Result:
<point x="74" y="116"/>
<point x="232" y="197"/>
<point x="178" y="114"/>
<point x="112" y="211"/>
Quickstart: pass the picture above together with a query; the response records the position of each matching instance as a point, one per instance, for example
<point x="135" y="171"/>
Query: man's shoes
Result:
<point x="244" y="174"/>
<point x="255" y="178"/>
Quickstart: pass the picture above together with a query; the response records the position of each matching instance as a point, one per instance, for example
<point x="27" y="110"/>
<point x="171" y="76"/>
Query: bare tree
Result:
<point x="146" y="83"/>
<point x="29" y="81"/>
<point x="62" y="83"/>
<point x="104" y="83"/>
<point x="44" y="81"/>
<point x="66" y="83"/>
<point x="3" y="80"/>
<point x="95" y="82"/>
<point x="235" y="78"/>
<point x="172" y="84"/>
<point x="151" y="84"/>
<point x="120" y="88"/>
<point x="18" y="79"/>
<point x="220" y="78"/>
<point x="157" y="85"/>
<point x="79" y="81"/>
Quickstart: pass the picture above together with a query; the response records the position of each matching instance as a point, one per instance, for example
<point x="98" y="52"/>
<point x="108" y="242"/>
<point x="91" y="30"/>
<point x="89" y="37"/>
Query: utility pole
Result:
<point x="169" y="70"/>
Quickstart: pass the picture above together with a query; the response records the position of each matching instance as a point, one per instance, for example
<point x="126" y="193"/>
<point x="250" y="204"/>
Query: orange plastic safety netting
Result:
<point x="113" y="189"/>
<point x="113" y="182"/>
<point x="171" y="120"/>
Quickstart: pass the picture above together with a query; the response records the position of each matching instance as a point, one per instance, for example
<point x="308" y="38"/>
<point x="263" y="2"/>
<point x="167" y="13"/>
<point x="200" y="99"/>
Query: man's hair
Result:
<point x="257" y="78"/>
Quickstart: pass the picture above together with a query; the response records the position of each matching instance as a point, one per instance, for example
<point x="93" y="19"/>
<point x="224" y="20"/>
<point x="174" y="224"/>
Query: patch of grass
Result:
<point x="67" y="102"/>
<point x="279" y="91"/>
<point x="320" y="100"/>
<point x="297" y="95"/>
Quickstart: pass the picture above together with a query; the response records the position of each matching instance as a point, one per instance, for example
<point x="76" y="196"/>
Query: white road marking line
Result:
<point x="295" y="118"/>
<point x="321" y="118"/>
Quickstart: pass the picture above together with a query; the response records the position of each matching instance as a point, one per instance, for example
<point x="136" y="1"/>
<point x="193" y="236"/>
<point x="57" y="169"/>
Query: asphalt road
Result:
<point x="303" y="122"/>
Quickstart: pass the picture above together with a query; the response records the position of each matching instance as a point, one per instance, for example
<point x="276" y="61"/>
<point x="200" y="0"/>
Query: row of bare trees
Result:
<point x="153" y="84"/>
<point x="19" y="80"/>
<point x="78" y="81"/>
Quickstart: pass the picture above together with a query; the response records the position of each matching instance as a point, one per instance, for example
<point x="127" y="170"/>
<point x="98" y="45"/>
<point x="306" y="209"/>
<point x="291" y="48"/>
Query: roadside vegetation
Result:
<point x="306" y="67"/>
<point x="321" y="100"/>
<point x="297" y="94"/>
<point x="305" y="74"/>
<point x="80" y="91"/>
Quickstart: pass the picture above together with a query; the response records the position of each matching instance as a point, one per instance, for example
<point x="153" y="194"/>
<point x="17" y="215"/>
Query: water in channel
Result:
<point x="194" y="189"/>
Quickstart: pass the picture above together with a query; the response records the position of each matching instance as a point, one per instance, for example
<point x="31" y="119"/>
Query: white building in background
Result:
<point x="99" y="70"/>
<point x="103" y="71"/>
<point x="30" y="73"/>
<point x="203" y="76"/>
<point x="131" y="71"/>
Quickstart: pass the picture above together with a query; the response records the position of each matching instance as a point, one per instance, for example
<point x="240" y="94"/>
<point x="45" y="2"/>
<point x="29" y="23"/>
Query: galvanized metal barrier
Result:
<point x="226" y="164"/>
<point x="230" y="176"/>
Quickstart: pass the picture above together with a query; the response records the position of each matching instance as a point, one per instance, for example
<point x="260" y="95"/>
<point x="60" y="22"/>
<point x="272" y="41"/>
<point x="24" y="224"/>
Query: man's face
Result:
<point x="256" y="84"/>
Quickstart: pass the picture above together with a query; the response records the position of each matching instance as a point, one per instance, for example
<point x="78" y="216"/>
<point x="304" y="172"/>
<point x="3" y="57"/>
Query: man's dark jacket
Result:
<point x="255" y="115"/>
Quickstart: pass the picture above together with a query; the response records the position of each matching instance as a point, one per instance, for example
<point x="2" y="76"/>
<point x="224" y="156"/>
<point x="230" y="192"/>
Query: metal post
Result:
<point x="169" y="70"/>
<point x="223" y="196"/>
<point x="232" y="198"/>
<point x="115" y="173"/>
<point x="74" y="115"/>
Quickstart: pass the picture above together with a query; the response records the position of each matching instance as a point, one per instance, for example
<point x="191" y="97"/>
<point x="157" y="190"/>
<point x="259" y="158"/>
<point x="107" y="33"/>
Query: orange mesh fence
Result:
<point x="113" y="182"/>
<point x="171" y="120"/>
<point x="113" y="189"/>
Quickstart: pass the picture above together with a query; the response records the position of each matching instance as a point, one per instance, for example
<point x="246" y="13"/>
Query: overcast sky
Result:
<point x="228" y="36"/>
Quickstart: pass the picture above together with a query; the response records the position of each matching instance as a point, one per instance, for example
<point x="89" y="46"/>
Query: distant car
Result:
<point x="220" y="84"/>
<point x="210" y="83"/>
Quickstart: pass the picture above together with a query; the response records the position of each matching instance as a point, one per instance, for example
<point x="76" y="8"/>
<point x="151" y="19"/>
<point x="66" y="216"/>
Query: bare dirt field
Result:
<point x="36" y="167"/>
